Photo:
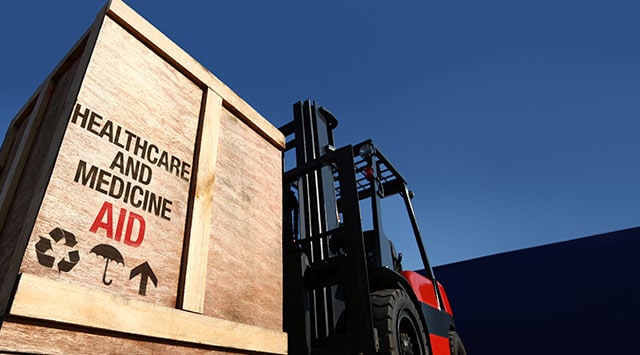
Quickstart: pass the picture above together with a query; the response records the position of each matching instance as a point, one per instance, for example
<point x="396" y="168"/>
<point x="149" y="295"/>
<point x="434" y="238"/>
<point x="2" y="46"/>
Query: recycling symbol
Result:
<point x="45" y="249"/>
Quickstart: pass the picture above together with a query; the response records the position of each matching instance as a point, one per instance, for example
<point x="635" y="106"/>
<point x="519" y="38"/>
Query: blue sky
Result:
<point x="516" y="123"/>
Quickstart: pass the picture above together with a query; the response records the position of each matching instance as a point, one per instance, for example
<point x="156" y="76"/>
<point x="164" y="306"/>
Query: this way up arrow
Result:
<point x="145" y="271"/>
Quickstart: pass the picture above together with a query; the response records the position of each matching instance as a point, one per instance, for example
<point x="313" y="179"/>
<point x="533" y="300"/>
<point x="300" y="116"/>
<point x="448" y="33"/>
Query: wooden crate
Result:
<point x="140" y="205"/>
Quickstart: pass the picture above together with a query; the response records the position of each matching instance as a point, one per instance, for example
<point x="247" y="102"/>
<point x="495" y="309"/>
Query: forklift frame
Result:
<point x="330" y="264"/>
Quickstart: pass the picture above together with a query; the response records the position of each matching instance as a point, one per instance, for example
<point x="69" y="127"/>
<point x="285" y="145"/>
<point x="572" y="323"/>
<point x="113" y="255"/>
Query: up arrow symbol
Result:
<point x="145" y="271"/>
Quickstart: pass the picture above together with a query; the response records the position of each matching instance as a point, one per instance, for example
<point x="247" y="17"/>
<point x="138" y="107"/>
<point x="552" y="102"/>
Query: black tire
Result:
<point x="457" y="348"/>
<point x="400" y="330"/>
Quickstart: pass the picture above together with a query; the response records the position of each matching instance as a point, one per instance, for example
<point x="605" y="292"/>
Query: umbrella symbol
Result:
<point x="108" y="253"/>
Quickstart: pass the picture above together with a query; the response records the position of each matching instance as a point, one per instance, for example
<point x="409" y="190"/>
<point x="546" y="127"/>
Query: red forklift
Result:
<point x="345" y="291"/>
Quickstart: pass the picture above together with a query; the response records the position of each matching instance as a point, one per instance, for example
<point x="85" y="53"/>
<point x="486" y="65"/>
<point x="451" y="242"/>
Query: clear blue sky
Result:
<point x="516" y="123"/>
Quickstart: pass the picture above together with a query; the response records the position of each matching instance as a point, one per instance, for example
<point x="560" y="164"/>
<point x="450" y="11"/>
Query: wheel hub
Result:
<point x="406" y="345"/>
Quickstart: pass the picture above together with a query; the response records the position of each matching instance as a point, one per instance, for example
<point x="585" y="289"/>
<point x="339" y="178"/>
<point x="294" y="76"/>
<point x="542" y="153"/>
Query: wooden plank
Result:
<point x="21" y="154"/>
<point x="13" y="132"/>
<point x="128" y="186"/>
<point x="156" y="40"/>
<point x="40" y="100"/>
<point x="42" y="171"/>
<point x="13" y="238"/>
<point x="245" y="257"/>
<point x="253" y="167"/>
<point x="61" y="67"/>
<point x="25" y="336"/>
<point x="41" y="298"/>
<point x="9" y="188"/>
<point x="198" y="251"/>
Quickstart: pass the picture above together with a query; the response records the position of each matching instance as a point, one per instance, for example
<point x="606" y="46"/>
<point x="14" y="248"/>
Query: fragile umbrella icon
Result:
<point x="108" y="253"/>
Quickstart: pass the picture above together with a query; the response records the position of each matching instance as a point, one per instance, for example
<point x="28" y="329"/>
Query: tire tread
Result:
<point x="383" y="306"/>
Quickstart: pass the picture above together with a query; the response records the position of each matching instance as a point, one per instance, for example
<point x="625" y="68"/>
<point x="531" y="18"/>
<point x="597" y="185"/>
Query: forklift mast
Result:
<point x="331" y="266"/>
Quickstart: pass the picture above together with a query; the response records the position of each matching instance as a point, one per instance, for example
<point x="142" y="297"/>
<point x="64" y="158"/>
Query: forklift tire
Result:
<point x="457" y="348"/>
<point x="397" y="321"/>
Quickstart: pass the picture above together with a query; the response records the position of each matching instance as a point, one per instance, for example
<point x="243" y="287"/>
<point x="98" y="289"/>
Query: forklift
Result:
<point x="345" y="291"/>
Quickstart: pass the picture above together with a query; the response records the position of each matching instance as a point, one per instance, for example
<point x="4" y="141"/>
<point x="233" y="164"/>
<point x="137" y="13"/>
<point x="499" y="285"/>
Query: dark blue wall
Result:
<point x="576" y="297"/>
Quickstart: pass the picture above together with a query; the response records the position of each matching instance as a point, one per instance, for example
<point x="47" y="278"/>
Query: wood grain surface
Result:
<point x="129" y="85"/>
<point x="47" y="338"/>
<point x="244" y="280"/>
<point x="135" y="182"/>
<point x="197" y="257"/>
<point x="28" y="188"/>
<point x="40" y="298"/>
